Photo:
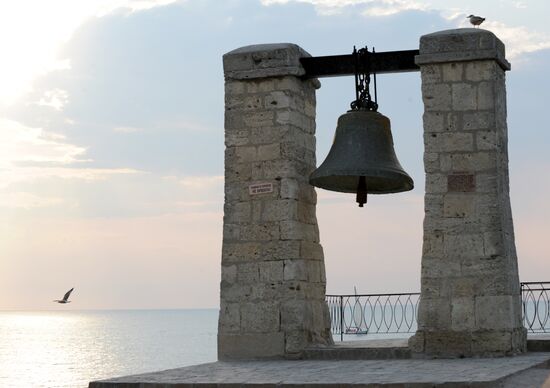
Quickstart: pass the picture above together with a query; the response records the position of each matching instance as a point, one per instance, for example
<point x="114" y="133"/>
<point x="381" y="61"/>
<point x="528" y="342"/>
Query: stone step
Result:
<point x="539" y="343"/>
<point x="390" y="349"/>
<point x="381" y="349"/>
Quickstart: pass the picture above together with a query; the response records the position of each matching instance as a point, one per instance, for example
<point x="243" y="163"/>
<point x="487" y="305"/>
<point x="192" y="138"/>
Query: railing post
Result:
<point x="341" y="318"/>
<point x="523" y="304"/>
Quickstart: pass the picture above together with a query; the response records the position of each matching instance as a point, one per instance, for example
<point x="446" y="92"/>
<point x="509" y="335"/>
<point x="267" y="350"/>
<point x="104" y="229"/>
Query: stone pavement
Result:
<point x="531" y="378"/>
<point x="504" y="372"/>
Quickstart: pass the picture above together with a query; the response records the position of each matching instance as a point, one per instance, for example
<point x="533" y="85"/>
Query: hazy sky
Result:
<point x="111" y="142"/>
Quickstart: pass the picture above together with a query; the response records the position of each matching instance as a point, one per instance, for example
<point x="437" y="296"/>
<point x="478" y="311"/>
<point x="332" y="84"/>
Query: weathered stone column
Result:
<point x="470" y="297"/>
<point x="273" y="274"/>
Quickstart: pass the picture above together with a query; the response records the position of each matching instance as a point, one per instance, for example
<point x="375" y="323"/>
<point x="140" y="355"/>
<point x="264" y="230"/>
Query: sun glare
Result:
<point x="33" y="31"/>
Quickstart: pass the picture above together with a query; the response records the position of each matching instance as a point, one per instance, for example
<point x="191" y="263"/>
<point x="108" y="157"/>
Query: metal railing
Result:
<point x="535" y="298"/>
<point x="373" y="314"/>
<point x="397" y="313"/>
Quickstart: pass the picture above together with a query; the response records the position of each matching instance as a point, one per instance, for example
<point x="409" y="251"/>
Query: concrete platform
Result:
<point x="371" y="363"/>
<point x="529" y="370"/>
<point x="377" y="349"/>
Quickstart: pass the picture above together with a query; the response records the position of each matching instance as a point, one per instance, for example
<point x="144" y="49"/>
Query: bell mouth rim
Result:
<point x="406" y="183"/>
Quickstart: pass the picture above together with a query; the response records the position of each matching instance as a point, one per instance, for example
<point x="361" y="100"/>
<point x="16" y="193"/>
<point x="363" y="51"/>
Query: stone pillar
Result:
<point x="273" y="274"/>
<point x="470" y="296"/>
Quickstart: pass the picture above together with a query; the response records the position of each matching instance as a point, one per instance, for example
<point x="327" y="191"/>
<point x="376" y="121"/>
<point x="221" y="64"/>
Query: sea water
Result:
<point x="72" y="348"/>
<point x="69" y="349"/>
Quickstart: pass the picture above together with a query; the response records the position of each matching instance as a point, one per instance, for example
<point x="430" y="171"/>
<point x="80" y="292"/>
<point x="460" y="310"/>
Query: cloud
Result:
<point x="32" y="32"/>
<point x="19" y="143"/>
<point x="518" y="39"/>
<point x="55" y="99"/>
<point x="132" y="98"/>
<point x="30" y="154"/>
<point x="105" y="7"/>
<point x="201" y="182"/>
<point x="188" y="125"/>
<point x="24" y="173"/>
<point x="127" y="129"/>
<point x="392" y="7"/>
<point x="27" y="201"/>
<point x="319" y="3"/>
<point x="61" y="190"/>
<point x="200" y="193"/>
<point x="371" y="7"/>
<point x="519" y="4"/>
<point x="79" y="192"/>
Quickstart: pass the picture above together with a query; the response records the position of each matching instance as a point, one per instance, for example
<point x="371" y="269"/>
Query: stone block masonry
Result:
<point x="470" y="297"/>
<point x="273" y="274"/>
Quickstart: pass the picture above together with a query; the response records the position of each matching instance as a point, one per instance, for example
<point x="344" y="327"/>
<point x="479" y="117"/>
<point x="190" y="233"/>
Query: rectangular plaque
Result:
<point x="260" y="188"/>
<point x="461" y="183"/>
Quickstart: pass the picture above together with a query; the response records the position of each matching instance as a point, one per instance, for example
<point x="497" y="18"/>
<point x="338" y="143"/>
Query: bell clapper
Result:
<point x="362" y="191"/>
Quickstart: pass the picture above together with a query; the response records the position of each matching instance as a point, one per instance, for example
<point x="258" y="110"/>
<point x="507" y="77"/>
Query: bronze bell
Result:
<point x="362" y="159"/>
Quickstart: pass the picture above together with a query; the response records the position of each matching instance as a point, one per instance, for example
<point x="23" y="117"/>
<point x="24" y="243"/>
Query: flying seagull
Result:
<point x="475" y="20"/>
<point x="65" y="297"/>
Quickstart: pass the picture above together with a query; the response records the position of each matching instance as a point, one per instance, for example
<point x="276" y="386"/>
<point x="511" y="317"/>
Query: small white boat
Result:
<point x="356" y="330"/>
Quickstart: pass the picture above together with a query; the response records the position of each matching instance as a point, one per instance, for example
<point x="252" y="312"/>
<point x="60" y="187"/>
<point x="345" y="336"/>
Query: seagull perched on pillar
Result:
<point x="65" y="297"/>
<point x="475" y="20"/>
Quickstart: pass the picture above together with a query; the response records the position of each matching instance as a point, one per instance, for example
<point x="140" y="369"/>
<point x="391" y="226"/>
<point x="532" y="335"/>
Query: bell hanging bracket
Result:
<point x="363" y="101"/>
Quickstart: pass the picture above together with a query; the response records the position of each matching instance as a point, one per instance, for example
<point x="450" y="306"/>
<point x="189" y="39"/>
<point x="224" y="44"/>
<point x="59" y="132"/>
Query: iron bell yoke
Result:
<point x="362" y="159"/>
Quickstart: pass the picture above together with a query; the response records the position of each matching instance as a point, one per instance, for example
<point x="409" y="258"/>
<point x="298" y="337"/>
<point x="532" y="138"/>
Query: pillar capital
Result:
<point x="264" y="60"/>
<point x="461" y="45"/>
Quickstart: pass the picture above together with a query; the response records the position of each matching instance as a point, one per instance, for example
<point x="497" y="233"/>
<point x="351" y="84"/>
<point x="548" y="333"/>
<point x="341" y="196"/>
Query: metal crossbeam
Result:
<point x="342" y="65"/>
